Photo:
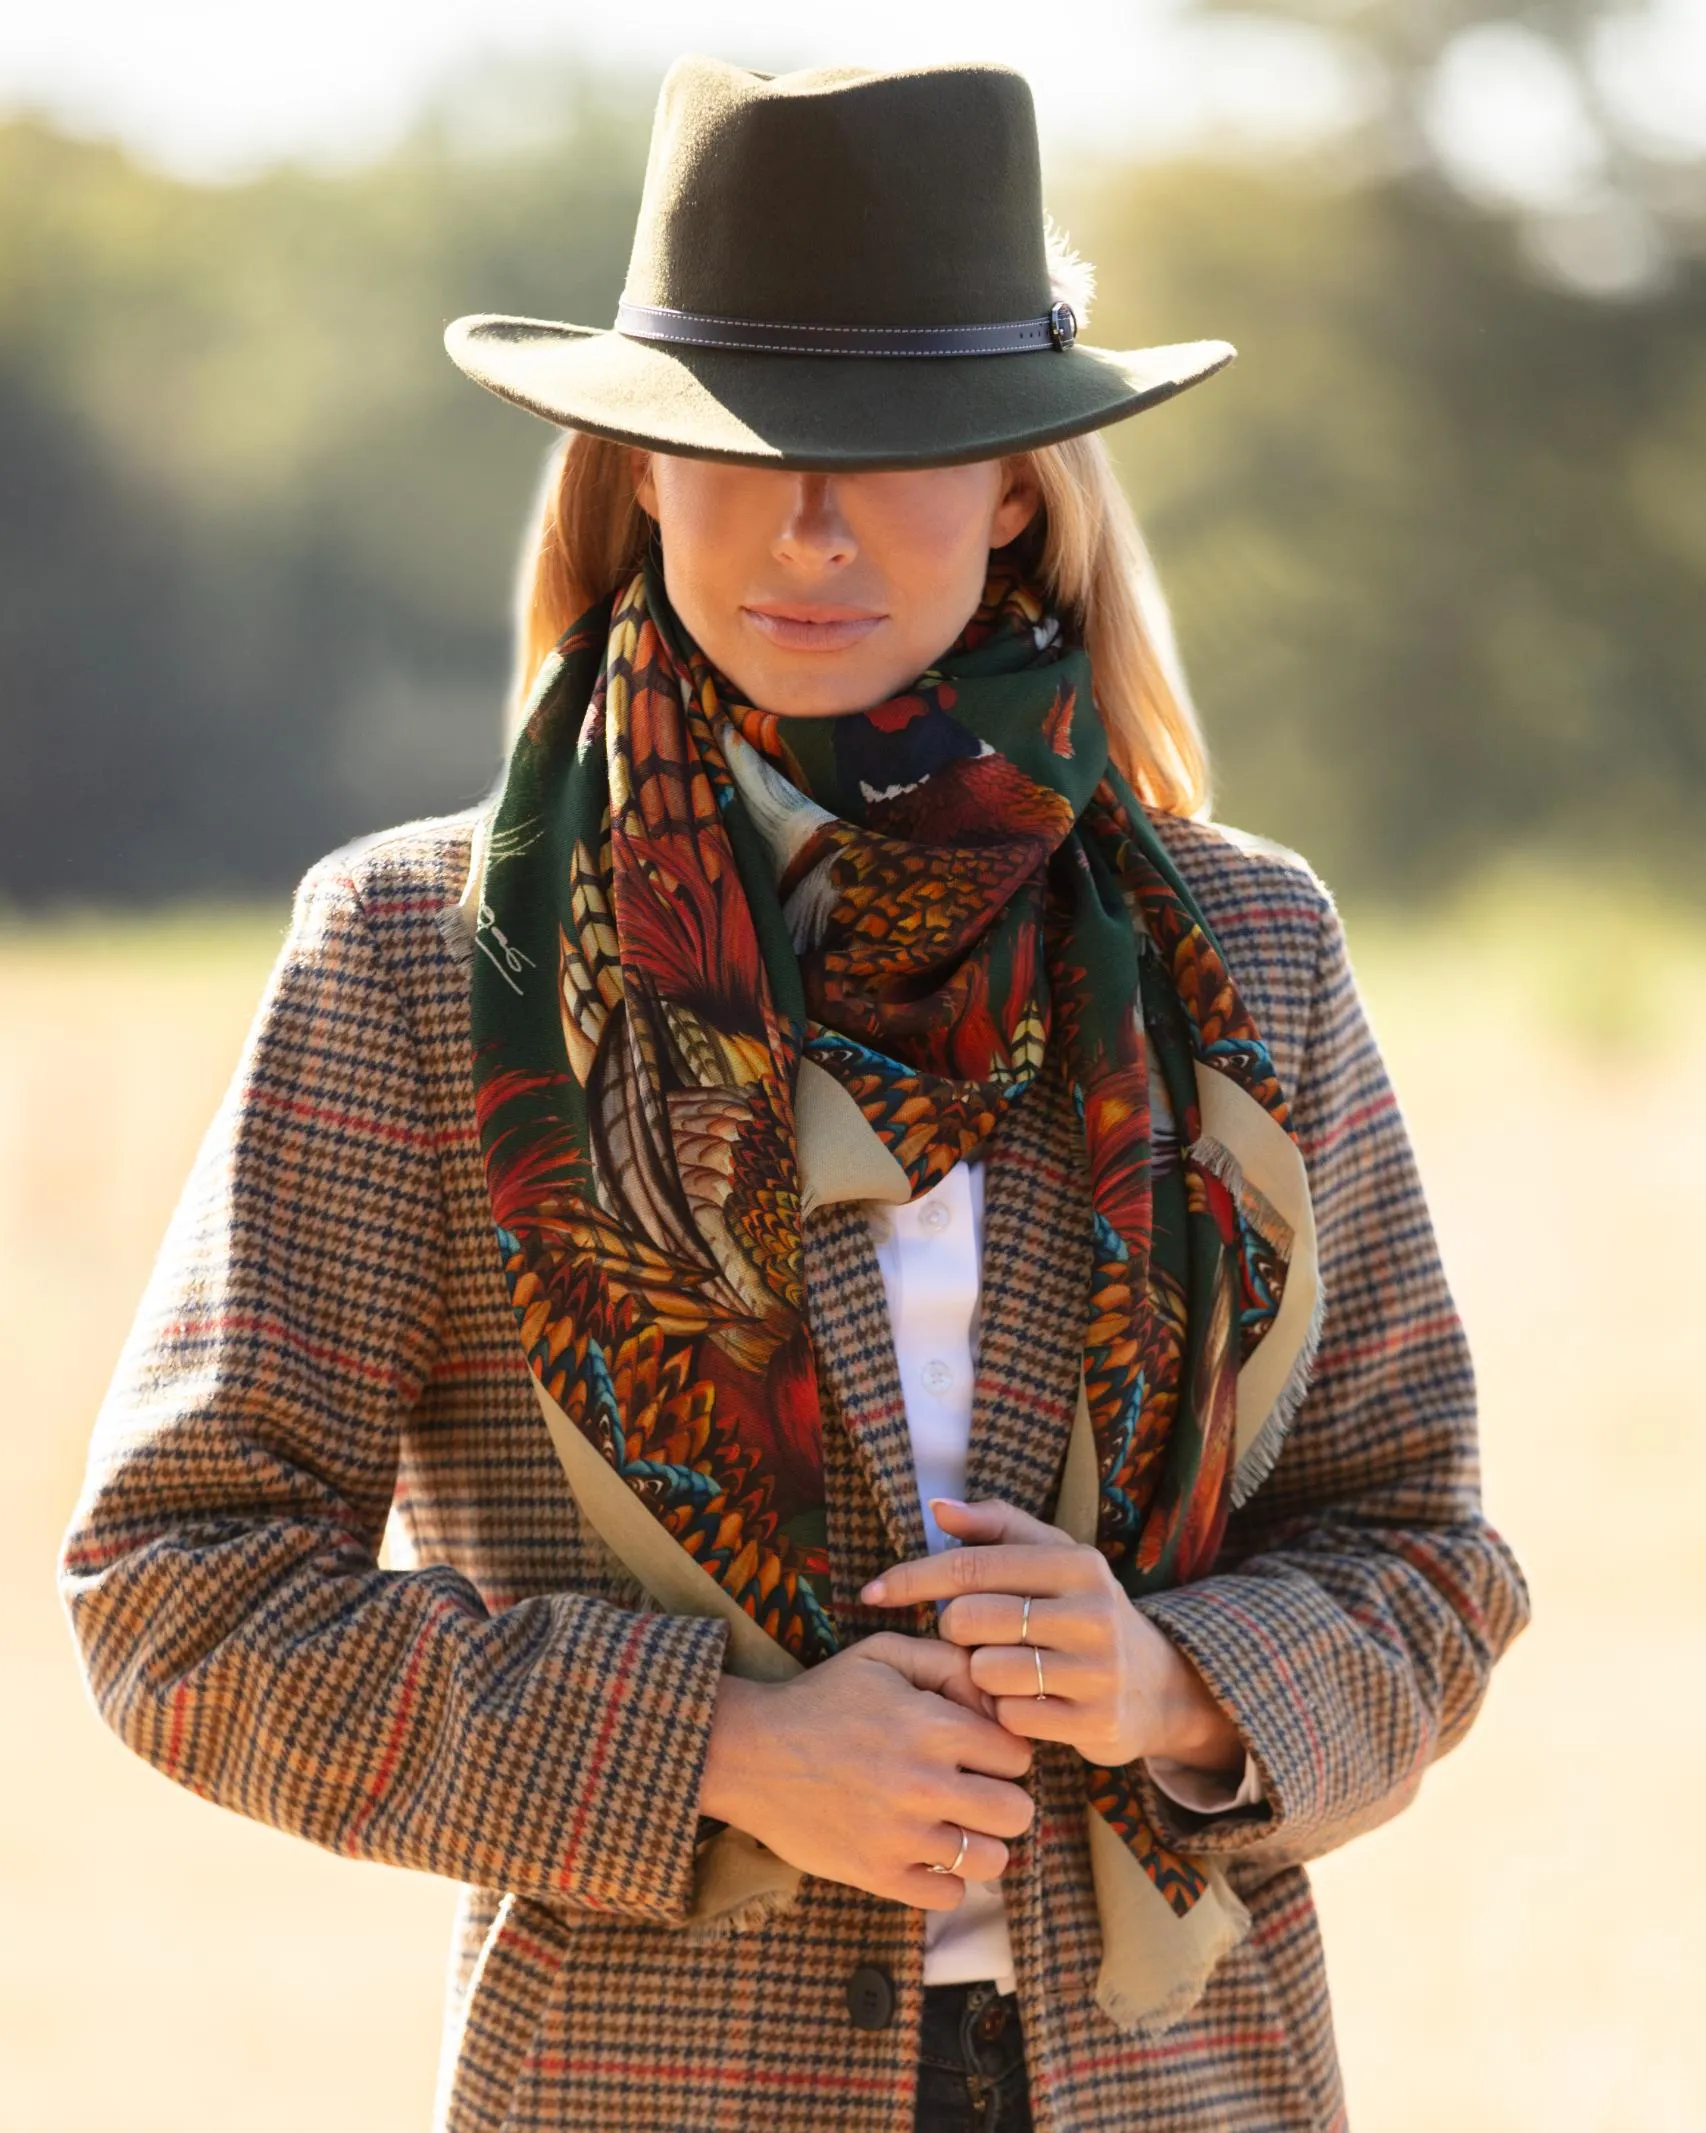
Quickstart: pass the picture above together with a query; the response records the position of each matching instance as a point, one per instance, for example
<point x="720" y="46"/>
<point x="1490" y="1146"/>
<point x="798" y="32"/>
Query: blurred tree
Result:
<point x="1531" y="108"/>
<point x="257" y="531"/>
<point x="1436" y="543"/>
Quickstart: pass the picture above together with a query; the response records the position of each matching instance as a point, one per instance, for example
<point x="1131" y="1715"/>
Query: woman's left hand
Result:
<point x="1117" y="1688"/>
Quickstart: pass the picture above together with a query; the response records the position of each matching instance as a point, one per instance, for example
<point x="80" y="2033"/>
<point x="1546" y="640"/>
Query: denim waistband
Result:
<point x="971" y="2062"/>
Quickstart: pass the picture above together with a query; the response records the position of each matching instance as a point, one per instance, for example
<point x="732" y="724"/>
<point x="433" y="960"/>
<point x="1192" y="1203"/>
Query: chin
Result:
<point x="815" y="694"/>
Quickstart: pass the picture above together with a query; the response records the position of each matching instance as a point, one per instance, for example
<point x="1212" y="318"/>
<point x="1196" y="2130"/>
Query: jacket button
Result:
<point x="870" y="1997"/>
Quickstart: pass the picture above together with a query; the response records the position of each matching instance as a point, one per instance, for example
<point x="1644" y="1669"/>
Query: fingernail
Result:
<point x="872" y="1591"/>
<point x="953" y="1503"/>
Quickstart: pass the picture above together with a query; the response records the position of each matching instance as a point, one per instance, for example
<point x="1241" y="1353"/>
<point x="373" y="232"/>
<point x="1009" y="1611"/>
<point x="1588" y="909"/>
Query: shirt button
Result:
<point x="934" y="1216"/>
<point x="870" y="1997"/>
<point x="936" y="1376"/>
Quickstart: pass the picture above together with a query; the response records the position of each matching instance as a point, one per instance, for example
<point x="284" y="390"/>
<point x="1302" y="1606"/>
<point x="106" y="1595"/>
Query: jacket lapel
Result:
<point x="853" y="1342"/>
<point x="1034" y="1299"/>
<point x="1035" y="1286"/>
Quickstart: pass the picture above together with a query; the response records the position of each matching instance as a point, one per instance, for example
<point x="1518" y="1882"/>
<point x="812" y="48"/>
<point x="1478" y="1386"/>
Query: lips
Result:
<point x="811" y="627"/>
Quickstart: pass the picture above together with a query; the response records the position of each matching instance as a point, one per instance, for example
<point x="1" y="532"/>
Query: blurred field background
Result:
<point x="1498" y="1965"/>
<point x="1436" y="547"/>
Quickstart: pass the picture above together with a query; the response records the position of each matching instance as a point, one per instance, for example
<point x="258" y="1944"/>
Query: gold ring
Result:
<point x="1025" y="1622"/>
<point x="964" y="1841"/>
<point x="1037" y="1655"/>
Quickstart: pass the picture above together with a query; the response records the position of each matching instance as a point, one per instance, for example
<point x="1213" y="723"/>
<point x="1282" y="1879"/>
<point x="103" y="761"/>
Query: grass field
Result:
<point x="1521" y="1952"/>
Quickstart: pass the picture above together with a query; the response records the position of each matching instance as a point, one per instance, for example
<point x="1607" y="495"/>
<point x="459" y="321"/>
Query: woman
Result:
<point x="880" y="1085"/>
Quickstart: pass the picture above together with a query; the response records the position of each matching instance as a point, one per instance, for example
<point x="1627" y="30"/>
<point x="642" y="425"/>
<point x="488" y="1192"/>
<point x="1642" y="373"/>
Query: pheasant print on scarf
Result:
<point x="685" y="898"/>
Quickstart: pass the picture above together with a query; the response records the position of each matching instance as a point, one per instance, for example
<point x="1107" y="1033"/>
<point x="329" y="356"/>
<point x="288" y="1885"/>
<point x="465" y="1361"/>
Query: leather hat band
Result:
<point x="1056" y="328"/>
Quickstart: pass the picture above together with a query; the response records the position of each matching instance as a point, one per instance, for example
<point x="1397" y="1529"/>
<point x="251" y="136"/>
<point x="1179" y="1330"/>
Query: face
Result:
<point x="818" y="593"/>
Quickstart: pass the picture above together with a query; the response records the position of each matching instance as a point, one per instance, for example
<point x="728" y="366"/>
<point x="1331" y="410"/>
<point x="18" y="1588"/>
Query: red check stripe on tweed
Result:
<point x="327" y="1336"/>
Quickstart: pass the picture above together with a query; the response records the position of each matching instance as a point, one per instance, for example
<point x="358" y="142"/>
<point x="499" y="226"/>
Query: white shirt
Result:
<point x="931" y="1255"/>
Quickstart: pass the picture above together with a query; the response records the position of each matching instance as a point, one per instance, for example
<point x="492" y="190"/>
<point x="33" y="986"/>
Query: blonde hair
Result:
<point x="589" y="534"/>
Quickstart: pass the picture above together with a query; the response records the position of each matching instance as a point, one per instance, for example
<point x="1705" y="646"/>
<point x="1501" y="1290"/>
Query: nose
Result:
<point x="814" y="533"/>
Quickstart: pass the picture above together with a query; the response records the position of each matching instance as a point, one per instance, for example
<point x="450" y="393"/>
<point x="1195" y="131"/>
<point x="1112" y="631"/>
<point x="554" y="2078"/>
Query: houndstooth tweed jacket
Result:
<point x="326" y="1340"/>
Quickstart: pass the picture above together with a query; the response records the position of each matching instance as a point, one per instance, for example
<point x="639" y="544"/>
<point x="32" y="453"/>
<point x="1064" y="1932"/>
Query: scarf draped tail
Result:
<point x="730" y="967"/>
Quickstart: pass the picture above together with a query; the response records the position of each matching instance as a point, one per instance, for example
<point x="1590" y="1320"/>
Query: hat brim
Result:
<point x="817" y="411"/>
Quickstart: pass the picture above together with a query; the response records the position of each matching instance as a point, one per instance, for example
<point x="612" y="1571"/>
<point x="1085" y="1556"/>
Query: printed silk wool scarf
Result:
<point x="713" y="938"/>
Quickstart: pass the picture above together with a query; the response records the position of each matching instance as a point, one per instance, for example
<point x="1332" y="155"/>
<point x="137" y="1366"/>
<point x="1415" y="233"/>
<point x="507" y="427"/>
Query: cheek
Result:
<point x="943" y="581"/>
<point x="700" y="549"/>
<point x="939" y="547"/>
<point x="945" y="522"/>
<point x="687" y="525"/>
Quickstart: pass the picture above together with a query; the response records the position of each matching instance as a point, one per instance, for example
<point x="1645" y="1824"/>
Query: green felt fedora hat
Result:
<point x="834" y="268"/>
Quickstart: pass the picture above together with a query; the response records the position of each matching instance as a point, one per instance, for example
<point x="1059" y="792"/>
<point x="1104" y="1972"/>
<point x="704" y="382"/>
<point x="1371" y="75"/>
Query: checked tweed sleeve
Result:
<point x="1361" y="1598"/>
<point x="220" y="1571"/>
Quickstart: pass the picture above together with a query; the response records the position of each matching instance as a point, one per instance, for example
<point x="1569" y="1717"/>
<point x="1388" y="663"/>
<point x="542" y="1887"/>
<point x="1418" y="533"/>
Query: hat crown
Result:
<point x="840" y="196"/>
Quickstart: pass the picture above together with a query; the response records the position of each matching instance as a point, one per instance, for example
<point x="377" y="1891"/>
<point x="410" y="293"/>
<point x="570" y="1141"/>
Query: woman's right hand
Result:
<point x="865" y="1768"/>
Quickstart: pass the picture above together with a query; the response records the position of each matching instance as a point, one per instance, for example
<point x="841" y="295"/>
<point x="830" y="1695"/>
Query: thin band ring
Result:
<point x="965" y="1839"/>
<point x="1025" y="1622"/>
<point x="1037" y="1655"/>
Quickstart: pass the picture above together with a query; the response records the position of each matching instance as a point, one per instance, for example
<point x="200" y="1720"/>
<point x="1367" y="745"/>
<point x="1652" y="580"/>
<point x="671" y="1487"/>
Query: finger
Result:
<point x="1055" y="1718"/>
<point x="969" y="1741"/>
<point x="1008" y="1670"/>
<point x="985" y="1804"/>
<point x="969" y="1696"/>
<point x="926" y="1891"/>
<point x="927" y="1662"/>
<point x="945" y="1669"/>
<point x="985" y="1856"/>
<point x="1071" y="1624"/>
<point x="1012" y="1567"/>
<point x="993" y="1518"/>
